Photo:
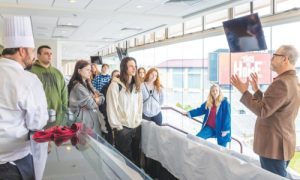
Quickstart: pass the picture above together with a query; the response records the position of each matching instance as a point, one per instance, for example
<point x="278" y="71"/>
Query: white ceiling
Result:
<point x="84" y="26"/>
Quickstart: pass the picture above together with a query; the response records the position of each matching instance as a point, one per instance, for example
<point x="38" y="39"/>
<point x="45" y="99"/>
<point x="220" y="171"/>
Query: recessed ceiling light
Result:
<point x="68" y="148"/>
<point x="69" y="23"/>
<point x="139" y="6"/>
<point x="72" y="1"/>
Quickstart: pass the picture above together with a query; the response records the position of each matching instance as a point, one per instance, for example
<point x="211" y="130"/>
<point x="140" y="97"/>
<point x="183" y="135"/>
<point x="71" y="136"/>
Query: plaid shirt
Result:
<point x="100" y="80"/>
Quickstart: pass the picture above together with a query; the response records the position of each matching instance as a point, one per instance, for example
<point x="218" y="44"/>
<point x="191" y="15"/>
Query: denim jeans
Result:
<point x="23" y="170"/>
<point x="157" y="118"/>
<point x="275" y="166"/>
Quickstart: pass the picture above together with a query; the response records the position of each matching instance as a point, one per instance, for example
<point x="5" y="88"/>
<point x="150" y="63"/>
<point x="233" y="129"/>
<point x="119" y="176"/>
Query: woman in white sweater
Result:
<point x="124" y="109"/>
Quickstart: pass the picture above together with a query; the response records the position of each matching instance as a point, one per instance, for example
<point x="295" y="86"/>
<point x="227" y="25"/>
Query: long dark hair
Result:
<point x="124" y="78"/>
<point x="76" y="77"/>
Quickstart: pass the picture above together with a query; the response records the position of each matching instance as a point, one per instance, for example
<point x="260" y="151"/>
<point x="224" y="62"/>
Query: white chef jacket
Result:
<point x="23" y="107"/>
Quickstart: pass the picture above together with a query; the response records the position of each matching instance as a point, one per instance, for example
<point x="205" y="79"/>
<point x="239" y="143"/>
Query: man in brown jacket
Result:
<point x="276" y="110"/>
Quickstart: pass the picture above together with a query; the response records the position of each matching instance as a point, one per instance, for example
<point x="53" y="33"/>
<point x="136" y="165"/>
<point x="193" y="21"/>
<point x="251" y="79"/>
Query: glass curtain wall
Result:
<point x="188" y="69"/>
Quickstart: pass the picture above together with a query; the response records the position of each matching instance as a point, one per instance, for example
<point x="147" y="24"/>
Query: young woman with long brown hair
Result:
<point x="124" y="109"/>
<point x="84" y="99"/>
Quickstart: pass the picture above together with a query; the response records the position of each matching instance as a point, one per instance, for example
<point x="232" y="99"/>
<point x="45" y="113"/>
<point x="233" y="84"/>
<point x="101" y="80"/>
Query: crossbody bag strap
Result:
<point x="148" y="94"/>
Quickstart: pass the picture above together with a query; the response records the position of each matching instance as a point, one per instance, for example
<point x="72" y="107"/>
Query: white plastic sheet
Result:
<point x="189" y="159"/>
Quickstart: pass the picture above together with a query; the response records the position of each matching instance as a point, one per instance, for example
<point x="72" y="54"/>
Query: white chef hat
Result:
<point x="18" y="32"/>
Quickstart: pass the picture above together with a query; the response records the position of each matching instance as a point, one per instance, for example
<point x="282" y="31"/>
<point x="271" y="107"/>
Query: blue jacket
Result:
<point x="223" y="119"/>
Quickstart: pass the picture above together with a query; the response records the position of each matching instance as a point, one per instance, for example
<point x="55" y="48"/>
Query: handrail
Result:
<point x="176" y="110"/>
<point x="169" y="125"/>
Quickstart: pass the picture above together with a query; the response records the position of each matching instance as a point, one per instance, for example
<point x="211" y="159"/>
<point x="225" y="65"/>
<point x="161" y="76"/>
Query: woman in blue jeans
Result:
<point x="153" y="96"/>
<point x="217" y="119"/>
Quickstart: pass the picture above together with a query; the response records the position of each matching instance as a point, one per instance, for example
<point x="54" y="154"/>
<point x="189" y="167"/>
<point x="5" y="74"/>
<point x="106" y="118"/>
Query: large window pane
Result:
<point x="160" y="35"/>
<point x="192" y="57"/>
<point x="262" y="7"/>
<point x="241" y="10"/>
<point x="215" y="19"/>
<point x="194" y="25"/>
<point x="286" y="34"/>
<point x="178" y="78"/>
<point x="140" y="40"/>
<point x="175" y="30"/>
<point x="194" y="78"/>
<point x="131" y="42"/>
<point x="283" y="5"/>
<point x="210" y="47"/>
<point x="149" y="38"/>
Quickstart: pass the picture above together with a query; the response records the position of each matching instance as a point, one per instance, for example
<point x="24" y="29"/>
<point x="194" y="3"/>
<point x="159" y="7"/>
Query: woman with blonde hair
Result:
<point x="95" y="71"/>
<point x="217" y="119"/>
<point x="152" y="96"/>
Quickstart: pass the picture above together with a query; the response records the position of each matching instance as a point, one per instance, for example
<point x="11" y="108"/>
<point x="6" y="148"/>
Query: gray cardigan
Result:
<point x="84" y="107"/>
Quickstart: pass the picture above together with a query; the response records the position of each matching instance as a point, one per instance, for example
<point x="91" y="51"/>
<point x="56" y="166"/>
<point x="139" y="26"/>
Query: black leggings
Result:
<point x="128" y="143"/>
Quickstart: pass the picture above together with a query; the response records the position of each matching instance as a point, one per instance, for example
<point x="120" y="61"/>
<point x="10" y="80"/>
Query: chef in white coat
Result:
<point x="23" y="105"/>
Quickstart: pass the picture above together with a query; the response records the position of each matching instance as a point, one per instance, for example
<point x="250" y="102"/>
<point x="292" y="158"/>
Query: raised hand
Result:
<point x="236" y="82"/>
<point x="224" y="133"/>
<point x="254" y="81"/>
<point x="97" y="100"/>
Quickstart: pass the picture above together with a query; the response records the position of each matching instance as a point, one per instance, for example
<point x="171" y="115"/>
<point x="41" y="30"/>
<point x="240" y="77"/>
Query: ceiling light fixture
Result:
<point x="131" y="29"/>
<point x="139" y="6"/>
<point x="72" y="1"/>
<point x="106" y="39"/>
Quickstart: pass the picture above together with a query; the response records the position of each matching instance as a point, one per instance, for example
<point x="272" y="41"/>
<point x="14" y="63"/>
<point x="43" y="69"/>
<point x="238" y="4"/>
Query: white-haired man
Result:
<point x="276" y="110"/>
